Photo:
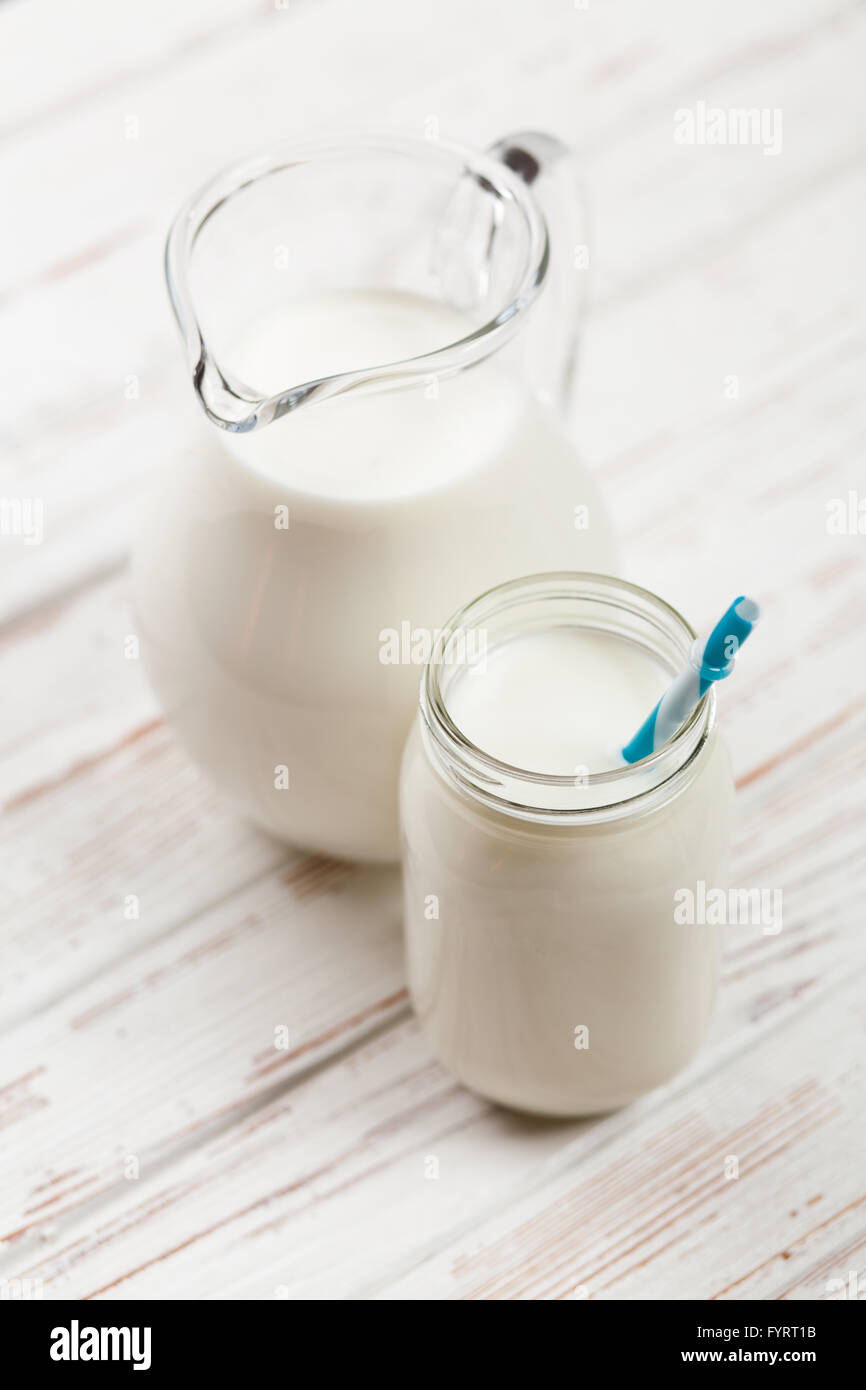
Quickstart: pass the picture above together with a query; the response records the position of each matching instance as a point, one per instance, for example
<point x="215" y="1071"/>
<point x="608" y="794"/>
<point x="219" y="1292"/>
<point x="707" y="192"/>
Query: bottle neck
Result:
<point x="587" y="602"/>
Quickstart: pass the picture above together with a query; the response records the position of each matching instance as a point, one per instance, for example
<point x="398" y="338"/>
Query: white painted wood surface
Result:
<point x="154" y="1141"/>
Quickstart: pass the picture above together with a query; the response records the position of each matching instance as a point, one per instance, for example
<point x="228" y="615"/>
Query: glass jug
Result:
<point x="381" y="333"/>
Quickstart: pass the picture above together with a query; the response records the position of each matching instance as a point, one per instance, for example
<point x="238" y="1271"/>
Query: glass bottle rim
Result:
<point x="606" y="795"/>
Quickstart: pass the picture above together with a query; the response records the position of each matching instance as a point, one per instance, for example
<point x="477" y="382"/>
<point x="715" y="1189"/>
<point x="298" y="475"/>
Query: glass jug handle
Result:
<point x="550" y="339"/>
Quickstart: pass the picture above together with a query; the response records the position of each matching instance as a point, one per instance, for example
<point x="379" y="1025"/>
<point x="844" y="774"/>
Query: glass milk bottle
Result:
<point x="548" y="960"/>
<point x="381" y="334"/>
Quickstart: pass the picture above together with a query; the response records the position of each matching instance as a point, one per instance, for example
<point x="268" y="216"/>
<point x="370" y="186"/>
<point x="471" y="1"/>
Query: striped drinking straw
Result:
<point x="709" y="660"/>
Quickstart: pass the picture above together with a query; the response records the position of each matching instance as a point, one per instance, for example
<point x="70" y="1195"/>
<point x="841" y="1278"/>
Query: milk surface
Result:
<point x="378" y="445"/>
<point x="557" y="701"/>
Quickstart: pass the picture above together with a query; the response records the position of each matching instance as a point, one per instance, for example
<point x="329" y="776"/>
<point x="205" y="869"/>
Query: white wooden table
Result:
<point x="155" y="1142"/>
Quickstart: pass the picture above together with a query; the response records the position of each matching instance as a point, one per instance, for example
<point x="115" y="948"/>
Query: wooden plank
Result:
<point x="330" y="1190"/>
<point x="139" y="824"/>
<point x="83" y="646"/>
<point x="838" y="1277"/>
<point x="193" y="1026"/>
<point x="147" y="1028"/>
<point x="267" y="1172"/>
<point x="63" y="59"/>
<point x="816" y="617"/>
<point x="636" y="1218"/>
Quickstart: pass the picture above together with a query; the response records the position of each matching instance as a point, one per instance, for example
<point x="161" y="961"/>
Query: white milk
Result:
<point x="272" y="646"/>
<point x="381" y="447"/>
<point x="557" y="701"/>
<point x="544" y="959"/>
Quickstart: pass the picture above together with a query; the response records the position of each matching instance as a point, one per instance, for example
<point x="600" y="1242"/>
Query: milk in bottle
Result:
<point x="546" y="961"/>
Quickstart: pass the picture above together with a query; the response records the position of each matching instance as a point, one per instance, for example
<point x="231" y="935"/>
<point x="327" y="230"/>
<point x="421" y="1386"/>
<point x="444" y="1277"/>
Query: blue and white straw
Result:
<point x="709" y="660"/>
